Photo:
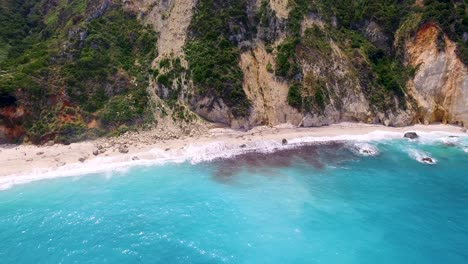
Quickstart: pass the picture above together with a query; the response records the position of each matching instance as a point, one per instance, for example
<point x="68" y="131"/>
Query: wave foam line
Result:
<point x="421" y="156"/>
<point x="197" y="153"/>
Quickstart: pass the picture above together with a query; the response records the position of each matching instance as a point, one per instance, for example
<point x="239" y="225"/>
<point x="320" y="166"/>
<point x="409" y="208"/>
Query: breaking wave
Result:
<point x="421" y="156"/>
<point x="196" y="153"/>
<point x="364" y="149"/>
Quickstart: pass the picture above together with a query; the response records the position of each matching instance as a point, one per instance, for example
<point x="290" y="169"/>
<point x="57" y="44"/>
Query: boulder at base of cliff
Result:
<point x="123" y="149"/>
<point x="411" y="135"/>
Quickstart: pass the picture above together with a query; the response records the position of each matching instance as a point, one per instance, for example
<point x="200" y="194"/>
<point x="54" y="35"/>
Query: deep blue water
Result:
<point x="316" y="204"/>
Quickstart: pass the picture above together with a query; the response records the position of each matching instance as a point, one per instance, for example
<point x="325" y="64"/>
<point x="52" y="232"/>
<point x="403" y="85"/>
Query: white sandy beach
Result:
<point x="18" y="163"/>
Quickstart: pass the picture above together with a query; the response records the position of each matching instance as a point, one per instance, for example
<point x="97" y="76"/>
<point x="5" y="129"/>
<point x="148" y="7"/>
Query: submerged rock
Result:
<point x="411" y="135"/>
<point x="428" y="160"/>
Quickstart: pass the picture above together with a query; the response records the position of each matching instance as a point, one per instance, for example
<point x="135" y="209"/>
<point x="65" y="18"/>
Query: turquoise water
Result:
<point x="316" y="204"/>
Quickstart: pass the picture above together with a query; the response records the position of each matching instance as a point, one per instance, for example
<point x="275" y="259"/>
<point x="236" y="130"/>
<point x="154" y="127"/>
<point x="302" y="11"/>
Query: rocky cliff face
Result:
<point x="240" y="63"/>
<point x="440" y="85"/>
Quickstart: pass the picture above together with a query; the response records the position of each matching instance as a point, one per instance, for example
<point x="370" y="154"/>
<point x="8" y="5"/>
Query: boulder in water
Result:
<point x="411" y="135"/>
<point x="284" y="141"/>
<point x="428" y="160"/>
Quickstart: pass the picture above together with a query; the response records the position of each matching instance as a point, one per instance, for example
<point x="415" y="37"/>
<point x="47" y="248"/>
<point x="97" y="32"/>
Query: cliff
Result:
<point x="440" y="85"/>
<point x="78" y="70"/>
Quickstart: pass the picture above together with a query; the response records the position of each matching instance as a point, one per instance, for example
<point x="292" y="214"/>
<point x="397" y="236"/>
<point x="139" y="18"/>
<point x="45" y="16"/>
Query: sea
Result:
<point x="378" y="198"/>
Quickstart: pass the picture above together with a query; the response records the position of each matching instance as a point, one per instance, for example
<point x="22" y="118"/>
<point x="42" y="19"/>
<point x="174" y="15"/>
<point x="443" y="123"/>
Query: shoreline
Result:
<point x="25" y="163"/>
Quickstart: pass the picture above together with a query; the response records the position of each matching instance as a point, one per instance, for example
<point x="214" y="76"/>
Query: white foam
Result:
<point x="450" y="141"/>
<point x="421" y="156"/>
<point x="364" y="149"/>
<point x="196" y="153"/>
<point x="372" y="136"/>
<point x="438" y="137"/>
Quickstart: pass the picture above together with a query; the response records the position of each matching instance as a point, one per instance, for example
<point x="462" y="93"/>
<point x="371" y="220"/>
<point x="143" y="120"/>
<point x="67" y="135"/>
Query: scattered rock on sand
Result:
<point x="387" y="122"/>
<point x="463" y="130"/>
<point x="411" y="135"/>
<point x="135" y="158"/>
<point x="82" y="159"/>
<point x="50" y="143"/>
<point x="95" y="152"/>
<point x="123" y="149"/>
<point x="167" y="149"/>
<point x="39" y="153"/>
<point x="243" y="146"/>
<point x="284" y="141"/>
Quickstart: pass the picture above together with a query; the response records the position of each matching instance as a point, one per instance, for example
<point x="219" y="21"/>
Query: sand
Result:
<point x="18" y="161"/>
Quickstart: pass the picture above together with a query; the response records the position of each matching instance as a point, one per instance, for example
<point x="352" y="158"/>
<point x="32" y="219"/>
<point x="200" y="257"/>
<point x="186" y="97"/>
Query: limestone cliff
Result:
<point x="440" y="85"/>
<point x="79" y="70"/>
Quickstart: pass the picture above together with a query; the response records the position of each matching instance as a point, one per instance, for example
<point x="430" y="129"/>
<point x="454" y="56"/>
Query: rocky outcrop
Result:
<point x="267" y="93"/>
<point x="375" y="35"/>
<point x="11" y="129"/>
<point x="410" y="135"/>
<point x="440" y="85"/>
<point x="280" y="7"/>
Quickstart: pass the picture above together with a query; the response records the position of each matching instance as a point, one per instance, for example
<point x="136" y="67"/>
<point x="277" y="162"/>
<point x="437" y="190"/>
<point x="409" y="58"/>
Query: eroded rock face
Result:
<point x="11" y="129"/>
<point x="440" y="85"/>
<point x="375" y="34"/>
<point x="267" y="93"/>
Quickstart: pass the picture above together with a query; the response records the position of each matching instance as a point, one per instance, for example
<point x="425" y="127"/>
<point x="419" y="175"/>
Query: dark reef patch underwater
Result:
<point x="337" y="202"/>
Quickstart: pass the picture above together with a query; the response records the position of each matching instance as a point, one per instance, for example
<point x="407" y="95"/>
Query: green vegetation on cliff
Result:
<point x="212" y="53"/>
<point x="450" y="15"/>
<point x="71" y="70"/>
<point x="286" y="60"/>
<point x="348" y="24"/>
<point x="73" y="64"/>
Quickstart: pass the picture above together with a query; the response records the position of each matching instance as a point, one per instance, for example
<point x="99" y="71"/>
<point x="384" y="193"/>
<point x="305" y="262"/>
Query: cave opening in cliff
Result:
<point x="7" y="100"/>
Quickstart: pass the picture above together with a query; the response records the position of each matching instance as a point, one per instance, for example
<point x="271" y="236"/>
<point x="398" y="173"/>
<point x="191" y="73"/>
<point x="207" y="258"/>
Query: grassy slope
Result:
<point x="95" y="69"/>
